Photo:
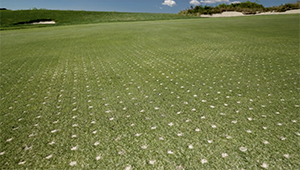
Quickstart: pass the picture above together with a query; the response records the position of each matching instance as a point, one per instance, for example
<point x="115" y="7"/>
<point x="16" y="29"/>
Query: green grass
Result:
<point x="121" y="87"/>
<point x="16" y="19"/>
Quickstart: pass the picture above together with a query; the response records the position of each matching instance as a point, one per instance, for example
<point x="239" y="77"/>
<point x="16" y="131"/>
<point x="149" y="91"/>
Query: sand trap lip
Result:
<point x="237" y="14"/>
<point x="44" y="22"/>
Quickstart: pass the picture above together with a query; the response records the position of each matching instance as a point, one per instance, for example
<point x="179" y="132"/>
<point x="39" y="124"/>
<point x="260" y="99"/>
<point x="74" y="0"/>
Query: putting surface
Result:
<point x="219" y="93"/>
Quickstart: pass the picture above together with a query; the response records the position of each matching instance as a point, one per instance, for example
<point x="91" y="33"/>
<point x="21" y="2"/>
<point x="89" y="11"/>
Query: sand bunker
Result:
<point x="236" y="14"/>
<point x="44" y="22"/>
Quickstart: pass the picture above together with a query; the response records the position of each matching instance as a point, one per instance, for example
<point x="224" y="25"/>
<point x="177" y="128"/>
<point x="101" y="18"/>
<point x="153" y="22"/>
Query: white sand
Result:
<point x="236" y="14"/>
<point x="296" y="11"/>
<point x="44" y="22"/>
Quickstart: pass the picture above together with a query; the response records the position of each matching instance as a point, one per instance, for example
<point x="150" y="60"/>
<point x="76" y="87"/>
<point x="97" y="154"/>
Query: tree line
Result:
<point x="244" y="7"/>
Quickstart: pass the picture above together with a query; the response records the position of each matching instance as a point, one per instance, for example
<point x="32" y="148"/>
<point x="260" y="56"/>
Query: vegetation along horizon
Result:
<point x="215" y="93"/>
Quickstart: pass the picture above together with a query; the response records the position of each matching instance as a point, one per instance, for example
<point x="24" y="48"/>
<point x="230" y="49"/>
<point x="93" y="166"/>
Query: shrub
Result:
<point x="244" y="7"/>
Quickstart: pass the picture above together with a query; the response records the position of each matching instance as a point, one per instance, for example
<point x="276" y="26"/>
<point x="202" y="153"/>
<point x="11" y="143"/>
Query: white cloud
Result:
<point x="170" y="3"/>
<point x="213" y="1"/>
<point x="194" y="2"/>
<point x="160" y="8"/>
<point x="235" y="2"/>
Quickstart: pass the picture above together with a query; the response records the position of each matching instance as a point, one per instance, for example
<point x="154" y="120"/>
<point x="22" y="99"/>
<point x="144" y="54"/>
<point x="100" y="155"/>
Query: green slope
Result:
<point x="16" y="19"/>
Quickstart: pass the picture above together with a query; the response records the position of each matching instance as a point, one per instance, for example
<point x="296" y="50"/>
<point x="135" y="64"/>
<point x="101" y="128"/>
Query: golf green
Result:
<point x="214" y="93"/>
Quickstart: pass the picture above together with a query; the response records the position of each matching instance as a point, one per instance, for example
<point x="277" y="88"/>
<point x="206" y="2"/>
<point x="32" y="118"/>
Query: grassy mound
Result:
<point x="19" y="19"/>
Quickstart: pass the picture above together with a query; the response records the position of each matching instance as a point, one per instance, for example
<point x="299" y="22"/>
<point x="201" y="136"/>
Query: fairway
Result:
<point x="215" y="93"/>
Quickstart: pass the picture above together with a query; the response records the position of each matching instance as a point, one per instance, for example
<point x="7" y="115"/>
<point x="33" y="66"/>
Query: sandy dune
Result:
<point x="236" y="14"/>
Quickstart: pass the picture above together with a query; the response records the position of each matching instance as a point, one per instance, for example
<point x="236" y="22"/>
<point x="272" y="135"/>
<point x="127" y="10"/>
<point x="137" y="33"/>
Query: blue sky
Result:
<point x="153" y="6"/>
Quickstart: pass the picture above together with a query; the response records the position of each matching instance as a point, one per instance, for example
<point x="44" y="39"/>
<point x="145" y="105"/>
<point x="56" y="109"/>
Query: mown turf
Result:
<point x="22" y="18"/>
<point x="185" y="94"/>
